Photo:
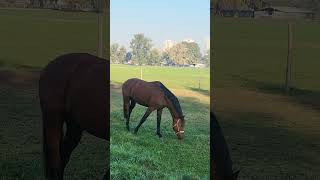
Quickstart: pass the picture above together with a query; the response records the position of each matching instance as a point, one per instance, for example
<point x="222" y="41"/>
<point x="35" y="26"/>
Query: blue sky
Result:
<point x="160" y="20"/>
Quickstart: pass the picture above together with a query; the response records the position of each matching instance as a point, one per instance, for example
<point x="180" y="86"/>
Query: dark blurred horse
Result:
<point x="155" y="96"/>
<point x="221" y="164"/>
<point x="73" y="90"/>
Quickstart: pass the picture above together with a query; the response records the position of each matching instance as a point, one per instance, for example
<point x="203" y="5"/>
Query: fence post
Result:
<point x="141" y="72"/>
<point x="289" y="59"/>
<point x="100" y="28"/>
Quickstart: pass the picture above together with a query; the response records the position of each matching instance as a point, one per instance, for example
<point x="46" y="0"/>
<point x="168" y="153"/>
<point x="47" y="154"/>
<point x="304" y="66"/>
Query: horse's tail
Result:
<point x="47" y="145"/>
<point x="50" y="138"/>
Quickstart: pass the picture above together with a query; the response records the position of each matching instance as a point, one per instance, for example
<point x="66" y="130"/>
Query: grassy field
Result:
<point x="251" y="52"/>
<point x="34" y="37"/>
<point x="173" y="77"/>
<point x="271" y="135"/>
<point x="29" y="39"/>
<point x="145" y="155"/>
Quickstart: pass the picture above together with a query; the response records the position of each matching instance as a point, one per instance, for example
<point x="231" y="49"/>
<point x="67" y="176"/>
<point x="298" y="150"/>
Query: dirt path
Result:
<point x="270" y="135"/>
<point x="246" y="101"/>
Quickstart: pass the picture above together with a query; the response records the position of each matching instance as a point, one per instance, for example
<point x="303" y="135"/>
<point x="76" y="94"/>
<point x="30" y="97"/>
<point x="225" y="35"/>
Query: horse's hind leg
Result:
<point x="70" y="142"/>
<point x="143" y="119"/>
<point x="132" y="105"/>
<point x="126" y="102"/>
<point x="52" y="134"/>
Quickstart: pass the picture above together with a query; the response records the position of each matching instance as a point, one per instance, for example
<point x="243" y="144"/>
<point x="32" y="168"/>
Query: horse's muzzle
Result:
<point x="180" y="134"/>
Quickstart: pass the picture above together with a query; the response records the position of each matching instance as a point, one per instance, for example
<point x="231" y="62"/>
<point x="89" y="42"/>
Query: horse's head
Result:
<point x="178" y="126"/>
<point x="235" y="175"/>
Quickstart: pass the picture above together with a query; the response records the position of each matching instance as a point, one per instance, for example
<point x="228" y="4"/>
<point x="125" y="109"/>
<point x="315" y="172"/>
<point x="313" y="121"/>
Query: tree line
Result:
<point x="142" y="53"/>
<point x="313" y="5"/>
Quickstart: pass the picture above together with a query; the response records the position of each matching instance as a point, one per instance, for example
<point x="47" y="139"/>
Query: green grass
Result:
<point x="174" y="77"/>
<point x="250" y="50"/>
<point x="21" y="138"/>
<point x="35" y="37"/>
<point x="32" y="38"/>
<point x="145" y="155"/>
<point x="271" y="135"/>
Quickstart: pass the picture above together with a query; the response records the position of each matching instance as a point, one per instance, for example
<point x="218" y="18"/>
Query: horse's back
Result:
<point x="132" y="84"/>
<point x="143" y="92"/>
<point x="54" y="77"/>
<point x="77" y="85"/>
<point x="128" y="83"/>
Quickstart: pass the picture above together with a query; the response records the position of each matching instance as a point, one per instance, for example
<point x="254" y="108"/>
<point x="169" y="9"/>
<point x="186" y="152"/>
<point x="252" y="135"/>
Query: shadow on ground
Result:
<point x="271" y="135"/>
<point x="305" y="97"/>
<point x="200" y="91"/>
<point x="21" y="132"/>
<point x="263" y="149"/>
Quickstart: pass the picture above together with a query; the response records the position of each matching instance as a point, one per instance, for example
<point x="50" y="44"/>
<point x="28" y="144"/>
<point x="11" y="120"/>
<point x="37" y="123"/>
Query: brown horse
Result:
<point x="73" y="89"/>
<point x="221" y="164"/>
<point x="155" y="96"/>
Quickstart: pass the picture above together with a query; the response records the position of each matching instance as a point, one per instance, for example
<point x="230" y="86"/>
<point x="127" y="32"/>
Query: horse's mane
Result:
<point x="174" y="100"/>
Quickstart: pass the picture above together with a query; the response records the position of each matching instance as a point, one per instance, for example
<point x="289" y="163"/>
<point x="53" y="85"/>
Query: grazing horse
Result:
<point x="155" y="96"/>
<point x="221" y="164"/>
<point x="73" y="90"/>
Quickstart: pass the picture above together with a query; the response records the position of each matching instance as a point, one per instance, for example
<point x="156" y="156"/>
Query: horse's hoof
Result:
<point x="160" y="135"/>
<point x="135" y="131"/>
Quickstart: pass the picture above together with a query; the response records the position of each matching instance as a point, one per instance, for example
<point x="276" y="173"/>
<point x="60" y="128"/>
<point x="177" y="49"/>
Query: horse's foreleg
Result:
<point x="52" y="129"/>
<point x="146" y="114"/>
<point x="126" y="101"/>
<point x="159" y="113"/>
<point x="106" y="176"/>
<point x="70" y="142"/>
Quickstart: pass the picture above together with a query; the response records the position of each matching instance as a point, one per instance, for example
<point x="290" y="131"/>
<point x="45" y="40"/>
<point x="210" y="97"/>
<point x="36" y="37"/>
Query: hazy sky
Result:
<point x="160" y="20"/>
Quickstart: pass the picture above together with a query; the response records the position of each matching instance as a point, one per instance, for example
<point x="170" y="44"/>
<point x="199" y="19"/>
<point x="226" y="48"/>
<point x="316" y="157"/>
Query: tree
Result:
<point x="154" y="58"/>
<point x="206" y="58"/>
<point x="165" y="57"/>
<point x="128" y="56"/>
<point x="178" y="53"/>
<point x="114" y="53"/>
<point x="185" y="53"/>
<point x="193" y="54"/>
<point x="140" y="46"/>
<point x="122" y="54"/>
<point x="117" y="54"/>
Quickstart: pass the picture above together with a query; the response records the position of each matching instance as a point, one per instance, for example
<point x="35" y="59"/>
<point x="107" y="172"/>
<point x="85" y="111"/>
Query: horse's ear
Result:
<point x="236" y="174"/>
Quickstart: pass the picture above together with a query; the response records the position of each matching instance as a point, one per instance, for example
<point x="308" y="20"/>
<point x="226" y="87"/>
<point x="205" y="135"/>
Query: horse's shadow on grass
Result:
<point x="305" y="97"/>
<point x="264" y="150"/>
<point x="199" y="90"/>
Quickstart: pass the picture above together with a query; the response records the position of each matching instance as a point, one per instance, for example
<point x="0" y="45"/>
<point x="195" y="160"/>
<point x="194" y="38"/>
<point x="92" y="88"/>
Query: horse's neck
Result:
<point x="173" y="111"/>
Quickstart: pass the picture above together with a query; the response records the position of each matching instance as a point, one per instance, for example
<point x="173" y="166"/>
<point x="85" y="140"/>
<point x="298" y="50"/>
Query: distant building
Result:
<point x="168" y="44"/>
<point x="59" y="4"/>
<point x="284" y="12"/>
<point x="228" y="10"/>
<point x="197" y="65"/>
<point x="14" y="3"/>
<point x="188" y="40"/>
<point x="207" y="44"/>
